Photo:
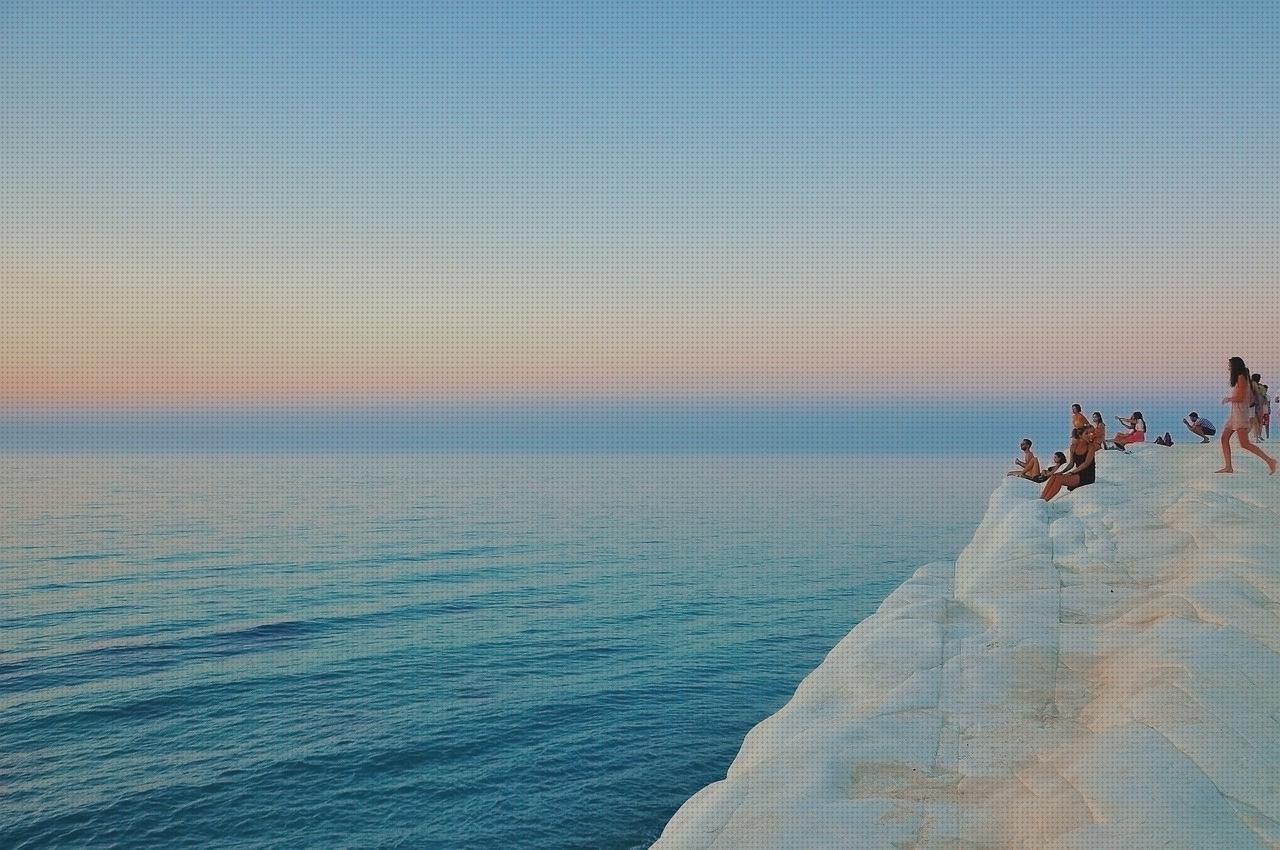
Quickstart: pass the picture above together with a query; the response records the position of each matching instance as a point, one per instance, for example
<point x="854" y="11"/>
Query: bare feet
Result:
<point x="1273" y="468"/>
<point x="1226" y="469"/>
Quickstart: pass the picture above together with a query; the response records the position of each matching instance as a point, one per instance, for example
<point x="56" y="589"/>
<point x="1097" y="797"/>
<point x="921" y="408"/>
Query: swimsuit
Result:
<point x="1086" y="474"/>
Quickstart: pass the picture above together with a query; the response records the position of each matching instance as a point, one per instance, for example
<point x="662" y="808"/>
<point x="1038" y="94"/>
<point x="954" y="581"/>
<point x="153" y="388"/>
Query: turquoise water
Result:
<point x="429" y="651"/>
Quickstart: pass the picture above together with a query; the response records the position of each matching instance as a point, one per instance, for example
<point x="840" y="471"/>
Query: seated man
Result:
<point x="1028" y="465"/>
<point x="1200" y="426"/>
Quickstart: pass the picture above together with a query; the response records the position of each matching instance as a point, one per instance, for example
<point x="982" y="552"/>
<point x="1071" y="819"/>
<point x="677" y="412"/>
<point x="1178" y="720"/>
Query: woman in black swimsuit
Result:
<point x="1079" y="473"/>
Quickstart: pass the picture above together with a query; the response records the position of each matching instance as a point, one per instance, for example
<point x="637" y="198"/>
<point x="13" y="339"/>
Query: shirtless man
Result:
<point x="1028" y="465"/>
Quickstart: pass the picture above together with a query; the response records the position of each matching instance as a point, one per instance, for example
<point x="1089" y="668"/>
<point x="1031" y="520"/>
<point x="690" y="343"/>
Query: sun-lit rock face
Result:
<point x="1098" y="672"/>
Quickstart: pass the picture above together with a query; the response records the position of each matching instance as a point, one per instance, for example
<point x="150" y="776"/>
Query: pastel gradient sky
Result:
<point x="270" y="205"/>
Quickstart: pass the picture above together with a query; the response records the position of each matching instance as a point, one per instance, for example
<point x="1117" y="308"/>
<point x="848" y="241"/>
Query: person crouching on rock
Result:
<point x="1079" y="473"/>
<point x="1028" y="465"/>
<point x="1201" y="427"/>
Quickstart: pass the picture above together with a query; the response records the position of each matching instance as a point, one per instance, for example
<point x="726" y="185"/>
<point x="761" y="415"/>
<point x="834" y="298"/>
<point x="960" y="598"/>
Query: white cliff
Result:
<point x="1098" y="672"/>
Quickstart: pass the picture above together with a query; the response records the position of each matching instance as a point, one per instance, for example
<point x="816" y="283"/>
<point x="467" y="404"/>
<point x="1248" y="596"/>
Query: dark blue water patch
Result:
<point x="48" y="619"/>
<point x="184" y="815"/>
<point x="130" y="707"/>
<point x="436" y="555"/>
<point x="590" y="638"/>
<point x="189" y="557"/>
<point x="86" y="556"/>
<point x="147" y="654"/>
<point x="142" y="654"/>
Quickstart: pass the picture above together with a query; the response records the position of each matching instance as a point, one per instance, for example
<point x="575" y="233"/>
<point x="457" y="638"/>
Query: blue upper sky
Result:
<point x="590" y="200"/>
<point x="568" y="125"/>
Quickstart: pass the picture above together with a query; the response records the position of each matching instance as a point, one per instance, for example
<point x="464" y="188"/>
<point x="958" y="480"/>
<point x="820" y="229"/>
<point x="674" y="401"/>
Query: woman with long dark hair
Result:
<point x="1079" y="472"/>
<point x="1099" y="426"/>
<point x="1241" y="418"/>
<point x="1137" y="432"/>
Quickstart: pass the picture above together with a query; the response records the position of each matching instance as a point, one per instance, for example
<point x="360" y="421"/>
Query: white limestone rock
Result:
<point x="1099" y="672"/>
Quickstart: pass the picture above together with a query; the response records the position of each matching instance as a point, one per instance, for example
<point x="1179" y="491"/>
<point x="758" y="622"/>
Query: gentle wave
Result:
<point x="543" y="653"/>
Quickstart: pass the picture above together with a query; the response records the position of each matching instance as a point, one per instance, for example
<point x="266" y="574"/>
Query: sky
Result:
<point x="757" y="209"/>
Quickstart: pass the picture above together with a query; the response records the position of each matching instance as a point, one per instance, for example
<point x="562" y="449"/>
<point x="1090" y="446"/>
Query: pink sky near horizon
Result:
<point x="145" y="345"/>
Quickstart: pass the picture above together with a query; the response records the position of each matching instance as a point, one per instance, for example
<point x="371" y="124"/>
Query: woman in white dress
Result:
<point x="1241" y="417"/>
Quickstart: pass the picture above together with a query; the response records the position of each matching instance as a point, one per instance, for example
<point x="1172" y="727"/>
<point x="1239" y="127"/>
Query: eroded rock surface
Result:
<point x="1099" y="672"/>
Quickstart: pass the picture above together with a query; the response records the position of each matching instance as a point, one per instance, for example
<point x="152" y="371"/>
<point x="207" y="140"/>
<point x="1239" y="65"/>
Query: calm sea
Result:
<point x="424" y="651"/>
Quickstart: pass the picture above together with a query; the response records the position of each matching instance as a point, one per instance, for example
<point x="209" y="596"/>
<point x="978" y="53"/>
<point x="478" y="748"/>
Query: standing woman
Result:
<point x="1079" y="472"/>
<point x="1240" y="419"/>
<point x="1258" y="397"/>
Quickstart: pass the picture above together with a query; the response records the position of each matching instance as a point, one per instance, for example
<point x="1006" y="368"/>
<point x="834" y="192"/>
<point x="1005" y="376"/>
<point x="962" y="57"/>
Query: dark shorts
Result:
<point x="1209" y="432"/>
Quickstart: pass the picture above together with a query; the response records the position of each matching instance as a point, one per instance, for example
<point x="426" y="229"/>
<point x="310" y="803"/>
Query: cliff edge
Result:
<point x="1098" y="672"/>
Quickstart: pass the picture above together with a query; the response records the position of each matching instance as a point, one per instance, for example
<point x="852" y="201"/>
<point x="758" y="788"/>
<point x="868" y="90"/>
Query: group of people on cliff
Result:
<point x="1249" y="419"/>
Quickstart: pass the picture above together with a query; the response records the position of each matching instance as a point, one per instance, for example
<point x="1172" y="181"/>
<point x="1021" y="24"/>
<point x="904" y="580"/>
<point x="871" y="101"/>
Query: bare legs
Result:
<point x="1243" y="435"/>
<point x="1056" y="482"/>
<point x="1250" y="447"/>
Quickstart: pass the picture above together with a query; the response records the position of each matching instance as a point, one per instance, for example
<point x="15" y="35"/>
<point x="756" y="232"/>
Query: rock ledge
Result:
<point x="1099" y="672"/>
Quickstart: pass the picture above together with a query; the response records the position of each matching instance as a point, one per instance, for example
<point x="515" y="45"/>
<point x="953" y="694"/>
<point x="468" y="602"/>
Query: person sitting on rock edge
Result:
<point x="1079" y="473"/>
<point x="1099" y="439"/>
<point x="1137" y="432"/>
<point x="1078" y="419"/>
<point x="1028" y="465"/>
